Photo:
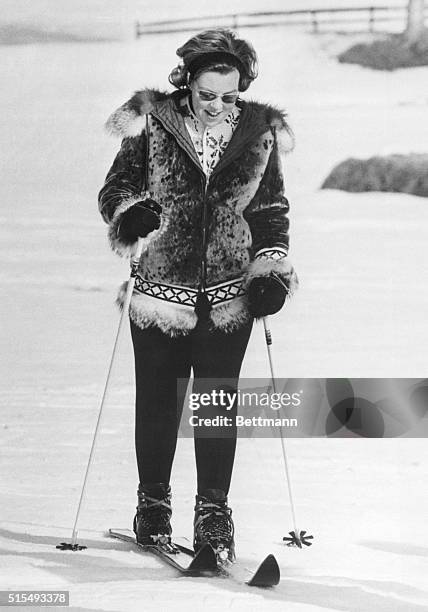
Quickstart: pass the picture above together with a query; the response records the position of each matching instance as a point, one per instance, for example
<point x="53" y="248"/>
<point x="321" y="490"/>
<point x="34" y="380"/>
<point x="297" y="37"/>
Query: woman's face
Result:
<point x="214" y="95"/>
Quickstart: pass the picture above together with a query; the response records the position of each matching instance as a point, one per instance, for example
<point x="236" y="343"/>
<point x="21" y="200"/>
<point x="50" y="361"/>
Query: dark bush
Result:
<point x="397" y="173"/>
<point x="388" y="53"/>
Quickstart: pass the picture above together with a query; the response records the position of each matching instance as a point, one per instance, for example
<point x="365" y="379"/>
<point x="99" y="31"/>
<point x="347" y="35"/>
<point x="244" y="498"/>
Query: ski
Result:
<point x="204" y="561"/>
<point x="267" y="574"/>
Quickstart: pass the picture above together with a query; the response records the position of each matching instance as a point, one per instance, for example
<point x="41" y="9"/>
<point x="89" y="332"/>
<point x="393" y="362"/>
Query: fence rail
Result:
<point x="316" y="19"/>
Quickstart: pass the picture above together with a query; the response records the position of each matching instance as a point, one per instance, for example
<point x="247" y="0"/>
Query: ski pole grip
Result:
<point x="268" y="335"/>
<point x="135" y="261"/>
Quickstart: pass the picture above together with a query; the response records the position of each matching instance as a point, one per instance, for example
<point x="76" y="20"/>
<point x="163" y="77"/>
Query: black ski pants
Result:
<point x="160" y="360"/>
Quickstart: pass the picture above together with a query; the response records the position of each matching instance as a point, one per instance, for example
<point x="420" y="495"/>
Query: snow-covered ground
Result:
<point x="360" y="312"/>
<point x="116" y="19"/>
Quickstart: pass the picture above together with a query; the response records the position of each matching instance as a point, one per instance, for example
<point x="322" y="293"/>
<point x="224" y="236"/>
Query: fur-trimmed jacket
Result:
<point x="216" y="234"/>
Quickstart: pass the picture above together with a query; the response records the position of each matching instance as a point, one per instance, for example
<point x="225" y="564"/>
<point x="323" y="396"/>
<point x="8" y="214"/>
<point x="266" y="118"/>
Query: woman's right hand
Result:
<point x="139" y="220"/>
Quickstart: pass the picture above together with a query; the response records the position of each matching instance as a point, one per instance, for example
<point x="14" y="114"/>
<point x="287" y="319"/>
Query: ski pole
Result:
<point x="130" y="287"/>
<point x="296" y="538"/>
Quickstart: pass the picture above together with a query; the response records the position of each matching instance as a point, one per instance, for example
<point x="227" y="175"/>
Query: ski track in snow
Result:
<point x="360" y="312"/>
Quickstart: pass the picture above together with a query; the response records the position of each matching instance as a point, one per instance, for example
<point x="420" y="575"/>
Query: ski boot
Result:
<point x="213" y="524"/>
<point x="152" y="522"/>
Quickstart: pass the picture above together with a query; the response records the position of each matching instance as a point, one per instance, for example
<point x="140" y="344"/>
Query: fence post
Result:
<point x="137" y="29"/>
<point x="314" y="22"/>
<point x="235" y="23"/>
<point x="371" y="18"/>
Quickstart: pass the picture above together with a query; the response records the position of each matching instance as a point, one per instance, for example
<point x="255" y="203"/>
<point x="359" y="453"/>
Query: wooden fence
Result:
<point x="367" y="18"/>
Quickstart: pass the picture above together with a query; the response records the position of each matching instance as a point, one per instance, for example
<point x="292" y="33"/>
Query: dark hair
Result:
<point x="217" y="50"/>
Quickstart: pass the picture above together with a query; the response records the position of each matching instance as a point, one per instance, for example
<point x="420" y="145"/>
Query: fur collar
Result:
<point x="129" y="119"/>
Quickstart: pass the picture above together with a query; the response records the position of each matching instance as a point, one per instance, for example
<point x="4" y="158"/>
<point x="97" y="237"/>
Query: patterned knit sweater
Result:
<point x="211" y="142"/>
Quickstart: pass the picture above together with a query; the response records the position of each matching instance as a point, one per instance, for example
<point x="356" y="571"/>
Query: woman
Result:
<point x="198" y="176"/>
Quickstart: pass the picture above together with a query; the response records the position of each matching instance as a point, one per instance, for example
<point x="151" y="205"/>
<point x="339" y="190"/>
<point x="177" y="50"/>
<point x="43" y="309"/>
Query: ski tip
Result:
<point x="267" y="574"/>
<point x="126" y="535"/>
<point x="204" y="560"/>
<point x="115" y="532"/>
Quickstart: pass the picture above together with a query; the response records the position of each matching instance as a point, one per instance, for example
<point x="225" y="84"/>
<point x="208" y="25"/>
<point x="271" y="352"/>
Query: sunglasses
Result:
<point x="208" y="96"/>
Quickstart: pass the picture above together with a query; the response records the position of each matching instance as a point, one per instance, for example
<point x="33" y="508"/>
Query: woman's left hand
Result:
<point x="266" y="295"/>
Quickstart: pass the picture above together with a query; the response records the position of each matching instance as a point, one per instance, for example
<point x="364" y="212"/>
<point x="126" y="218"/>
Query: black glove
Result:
<point x="139" y="220"/>
<point x="266" y="295"/>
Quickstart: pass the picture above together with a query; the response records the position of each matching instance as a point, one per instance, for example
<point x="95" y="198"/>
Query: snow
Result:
<point x="360" y="312"/>
<point x="116" y="19"/>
